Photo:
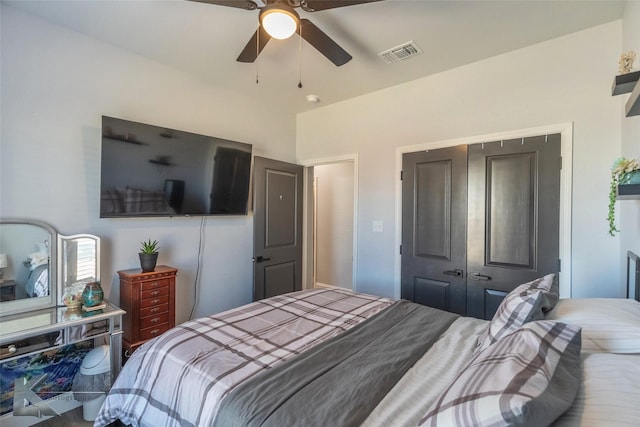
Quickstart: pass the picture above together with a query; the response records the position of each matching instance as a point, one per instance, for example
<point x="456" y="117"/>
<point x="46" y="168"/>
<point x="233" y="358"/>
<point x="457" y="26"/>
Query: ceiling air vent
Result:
<point x="399" y="53"/>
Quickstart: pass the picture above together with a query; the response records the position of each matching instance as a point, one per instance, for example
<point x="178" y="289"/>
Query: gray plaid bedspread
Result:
<point x="180" y="377"/>
<point x="340" y="381"/>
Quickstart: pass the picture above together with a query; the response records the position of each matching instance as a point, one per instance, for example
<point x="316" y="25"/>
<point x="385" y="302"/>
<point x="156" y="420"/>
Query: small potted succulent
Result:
<point x="148" y="255"/>
<point x="623" y="171"/>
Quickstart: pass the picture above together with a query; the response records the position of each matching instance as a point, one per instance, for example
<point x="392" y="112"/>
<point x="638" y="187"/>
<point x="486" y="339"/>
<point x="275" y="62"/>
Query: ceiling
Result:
<point x="204" y="40"/>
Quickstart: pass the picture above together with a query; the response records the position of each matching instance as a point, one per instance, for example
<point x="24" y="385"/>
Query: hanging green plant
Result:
<point x="621" y="171"/>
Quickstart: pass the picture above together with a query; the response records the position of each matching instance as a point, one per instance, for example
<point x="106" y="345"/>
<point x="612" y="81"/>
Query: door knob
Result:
<point x="456" y="272"/>
<point x="478" y="276"/>
<point x="260" y="258"/>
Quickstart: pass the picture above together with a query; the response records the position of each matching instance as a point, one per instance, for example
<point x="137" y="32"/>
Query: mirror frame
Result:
<point x="31" y="304"/>
<point x="60" y="249"/>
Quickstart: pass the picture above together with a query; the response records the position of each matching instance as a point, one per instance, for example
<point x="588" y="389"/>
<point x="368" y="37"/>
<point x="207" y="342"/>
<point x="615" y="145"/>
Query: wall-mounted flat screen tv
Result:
<point x="149" y="170"/>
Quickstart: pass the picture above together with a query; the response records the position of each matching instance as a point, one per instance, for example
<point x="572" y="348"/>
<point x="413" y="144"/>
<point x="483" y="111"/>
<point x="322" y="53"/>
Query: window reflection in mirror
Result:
<point x="79" y="255"/>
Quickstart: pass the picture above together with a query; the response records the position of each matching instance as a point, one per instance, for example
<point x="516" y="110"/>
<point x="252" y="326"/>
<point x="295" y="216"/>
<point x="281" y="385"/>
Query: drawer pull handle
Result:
<point x="12" y="349"/>
<point x="154" y="331"/>
<point x="154" y="284"/>
<point x="155" y="320"/>
<point x="154" y="293"/>
<point x="155" y="309"/>
<point x="155" y="301"/>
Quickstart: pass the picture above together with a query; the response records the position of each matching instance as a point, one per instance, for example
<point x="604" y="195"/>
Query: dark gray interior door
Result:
<point x="434" y="216"/>
<point x="277" y="227"/>
<point x="513" y="217"/>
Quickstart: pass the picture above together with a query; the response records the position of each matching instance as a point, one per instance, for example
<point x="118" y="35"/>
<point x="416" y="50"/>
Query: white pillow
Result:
<point x="609" y="393"/>
<point x="609" y="325"/>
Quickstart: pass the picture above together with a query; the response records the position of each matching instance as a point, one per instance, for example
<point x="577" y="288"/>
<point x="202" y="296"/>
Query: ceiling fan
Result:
<point x="278" y="19"/>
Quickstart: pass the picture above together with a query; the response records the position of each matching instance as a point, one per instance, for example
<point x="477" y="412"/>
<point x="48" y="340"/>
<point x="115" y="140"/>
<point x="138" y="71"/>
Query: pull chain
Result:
<point x="257" y="52"/>
<point x="300" y="59"/>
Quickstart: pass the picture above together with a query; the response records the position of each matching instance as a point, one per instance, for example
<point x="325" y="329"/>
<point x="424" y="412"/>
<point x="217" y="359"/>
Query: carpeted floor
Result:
<point x="71" y="418"/>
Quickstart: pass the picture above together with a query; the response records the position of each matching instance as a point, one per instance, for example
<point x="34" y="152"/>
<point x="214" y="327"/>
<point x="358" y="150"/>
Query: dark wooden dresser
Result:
<point x="149" y="300"/>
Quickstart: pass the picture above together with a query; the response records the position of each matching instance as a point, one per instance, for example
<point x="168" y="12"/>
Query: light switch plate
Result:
<point x="377" y="226"/>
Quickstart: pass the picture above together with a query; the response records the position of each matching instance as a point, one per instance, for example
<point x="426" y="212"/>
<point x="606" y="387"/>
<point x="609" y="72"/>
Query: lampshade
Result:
<point x="279" y="21"/>
<point x="3" y="260"/>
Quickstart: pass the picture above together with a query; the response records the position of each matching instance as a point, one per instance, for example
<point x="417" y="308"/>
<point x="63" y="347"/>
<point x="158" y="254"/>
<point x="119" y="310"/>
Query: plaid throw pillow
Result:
<point x="525" y="303"/>
<point x="528" y="378"/>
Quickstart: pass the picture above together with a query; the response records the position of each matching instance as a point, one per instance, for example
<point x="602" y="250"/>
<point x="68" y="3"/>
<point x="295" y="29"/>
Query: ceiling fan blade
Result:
<point x="251" y="51"/>
<point x="241" y="4"/>
<point x="315" y="5"/>
<point x="325" y="45"/>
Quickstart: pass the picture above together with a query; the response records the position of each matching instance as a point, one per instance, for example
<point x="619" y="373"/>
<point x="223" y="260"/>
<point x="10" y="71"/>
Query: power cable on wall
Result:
<point x="196" y="280"/>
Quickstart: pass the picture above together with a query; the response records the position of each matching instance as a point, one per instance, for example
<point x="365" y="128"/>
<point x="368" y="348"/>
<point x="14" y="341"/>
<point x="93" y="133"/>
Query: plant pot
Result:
<point x="148" y="261"/>
<point x="632" y="178"/>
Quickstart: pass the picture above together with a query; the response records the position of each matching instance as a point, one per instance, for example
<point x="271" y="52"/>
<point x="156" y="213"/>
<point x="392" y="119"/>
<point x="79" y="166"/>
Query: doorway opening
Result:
<point x="330" y="223"/>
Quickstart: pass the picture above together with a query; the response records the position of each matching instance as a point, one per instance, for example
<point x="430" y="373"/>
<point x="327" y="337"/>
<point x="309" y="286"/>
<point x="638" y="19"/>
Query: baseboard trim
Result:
<point x="324" y="285"/>
<point x="327" y="286"/>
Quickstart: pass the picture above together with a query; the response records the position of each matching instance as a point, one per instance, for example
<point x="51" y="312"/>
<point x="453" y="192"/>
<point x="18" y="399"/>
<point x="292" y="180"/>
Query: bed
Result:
<point x="341" y="358"/>
<point x="37" y="281"/>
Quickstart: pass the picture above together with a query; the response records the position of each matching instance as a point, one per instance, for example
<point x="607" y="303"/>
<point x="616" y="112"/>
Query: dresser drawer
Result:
<point x="29" y="345"/>
<point x="153" y="331"/>
<point x="156" y="292"/>
<point x="150" y="302"/>
<point x="154" y="310"/>
<point x="158" y="319"/>
<point x="155" y="284"/>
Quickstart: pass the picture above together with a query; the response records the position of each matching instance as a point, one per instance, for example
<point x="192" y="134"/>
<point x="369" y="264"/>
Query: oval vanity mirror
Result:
<point x="27" y="266"/>
<point x="78" y="256"/>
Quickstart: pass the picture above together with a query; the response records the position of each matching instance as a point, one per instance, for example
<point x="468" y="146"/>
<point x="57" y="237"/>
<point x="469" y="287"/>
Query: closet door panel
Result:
<point x="433" y="208"/>
<point x="513" y="217"/>
<point x="434" y="201"/>
<point x="510" y="201"/>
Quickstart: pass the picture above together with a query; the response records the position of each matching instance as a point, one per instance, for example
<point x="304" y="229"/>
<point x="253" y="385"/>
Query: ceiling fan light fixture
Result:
<point x="279" y="20"/>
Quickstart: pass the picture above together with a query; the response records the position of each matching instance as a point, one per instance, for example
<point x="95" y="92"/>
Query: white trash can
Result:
<point x="94" y="379"/>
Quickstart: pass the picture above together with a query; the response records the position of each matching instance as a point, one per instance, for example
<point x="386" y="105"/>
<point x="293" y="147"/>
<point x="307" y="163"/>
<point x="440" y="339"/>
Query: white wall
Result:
<point x="629" y="210"/>
<point x="563" y="80"/>
<point x="55" y="87"/>
<point x="334" y="190"/>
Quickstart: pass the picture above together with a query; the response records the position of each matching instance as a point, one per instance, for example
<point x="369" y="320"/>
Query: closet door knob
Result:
<point x="457" y="272"/>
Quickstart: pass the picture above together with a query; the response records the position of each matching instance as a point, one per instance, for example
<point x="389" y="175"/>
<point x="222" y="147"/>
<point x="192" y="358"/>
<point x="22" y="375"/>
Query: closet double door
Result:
<point x="478" y="220"/>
